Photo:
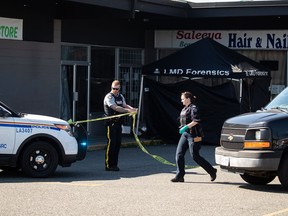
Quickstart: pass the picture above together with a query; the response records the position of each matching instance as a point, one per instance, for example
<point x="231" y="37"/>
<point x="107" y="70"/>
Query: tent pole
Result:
<point x="240" y="93"/>
<point x="140" y="102"/>
<point x="286" y="84"/>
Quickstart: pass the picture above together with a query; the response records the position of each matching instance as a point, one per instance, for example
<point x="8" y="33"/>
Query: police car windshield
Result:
<point x="279" y="102"/>
<point x="14" y="114"/>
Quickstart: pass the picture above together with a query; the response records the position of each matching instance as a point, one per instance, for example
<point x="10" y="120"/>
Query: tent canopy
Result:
<point x="206" y="58"/>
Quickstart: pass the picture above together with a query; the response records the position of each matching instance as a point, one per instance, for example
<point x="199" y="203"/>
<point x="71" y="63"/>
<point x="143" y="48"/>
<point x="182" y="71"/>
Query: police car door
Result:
<point x="7" y="131"/>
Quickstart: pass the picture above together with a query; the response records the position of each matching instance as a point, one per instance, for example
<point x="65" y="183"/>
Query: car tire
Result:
<point x="39" y="160"/>
<point x="257" y="180"/>
<point x="283" y="171"/>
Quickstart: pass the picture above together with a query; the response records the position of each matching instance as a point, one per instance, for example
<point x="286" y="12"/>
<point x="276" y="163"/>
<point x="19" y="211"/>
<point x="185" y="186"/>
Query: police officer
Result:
<point x="191" y="137"/>
<point x="114" y="104"/>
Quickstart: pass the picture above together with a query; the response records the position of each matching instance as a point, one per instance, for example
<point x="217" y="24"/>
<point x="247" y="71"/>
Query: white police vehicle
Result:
<point x="37" y="144"/>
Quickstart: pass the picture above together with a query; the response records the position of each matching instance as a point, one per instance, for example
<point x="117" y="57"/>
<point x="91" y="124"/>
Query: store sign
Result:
<point x="244" y="39"/>
<point x="11" y="28"/>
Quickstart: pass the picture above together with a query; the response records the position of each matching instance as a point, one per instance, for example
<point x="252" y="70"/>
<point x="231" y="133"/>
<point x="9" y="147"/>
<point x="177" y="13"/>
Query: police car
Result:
<point x="37" y="144"/>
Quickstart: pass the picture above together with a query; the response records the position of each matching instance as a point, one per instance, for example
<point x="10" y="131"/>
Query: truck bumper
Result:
<point x="247" y="160"/>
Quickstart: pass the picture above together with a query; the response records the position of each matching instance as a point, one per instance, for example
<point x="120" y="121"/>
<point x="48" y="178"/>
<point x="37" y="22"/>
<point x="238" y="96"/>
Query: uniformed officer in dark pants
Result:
<point x="114" y="104"/>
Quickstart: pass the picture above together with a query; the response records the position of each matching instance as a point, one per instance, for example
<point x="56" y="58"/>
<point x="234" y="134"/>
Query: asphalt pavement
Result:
<point x="142" y="187"/>
<point x="99" y="142"/>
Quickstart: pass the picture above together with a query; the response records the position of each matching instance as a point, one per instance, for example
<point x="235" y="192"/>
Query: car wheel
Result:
<point x="283" y="171"/>
<point x="257" y="180"/>
<point x="39" y="160"/>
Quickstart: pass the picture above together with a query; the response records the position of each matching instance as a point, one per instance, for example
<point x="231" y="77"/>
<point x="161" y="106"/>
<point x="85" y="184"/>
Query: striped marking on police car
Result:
<point x="27" y="125"/>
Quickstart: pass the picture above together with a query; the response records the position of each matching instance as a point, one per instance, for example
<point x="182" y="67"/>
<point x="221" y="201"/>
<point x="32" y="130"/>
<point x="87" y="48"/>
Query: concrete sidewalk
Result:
<point x="100" y="142"/>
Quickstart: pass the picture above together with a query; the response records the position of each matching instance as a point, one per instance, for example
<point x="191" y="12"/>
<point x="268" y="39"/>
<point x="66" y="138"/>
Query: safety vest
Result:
<point x="109" y="111"/>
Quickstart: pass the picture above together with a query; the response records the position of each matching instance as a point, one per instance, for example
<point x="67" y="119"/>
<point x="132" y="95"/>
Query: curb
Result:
<point x="95" y="147"/>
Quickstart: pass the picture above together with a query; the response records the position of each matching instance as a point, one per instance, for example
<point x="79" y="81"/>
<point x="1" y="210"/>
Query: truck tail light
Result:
<point x="256" y="144"/>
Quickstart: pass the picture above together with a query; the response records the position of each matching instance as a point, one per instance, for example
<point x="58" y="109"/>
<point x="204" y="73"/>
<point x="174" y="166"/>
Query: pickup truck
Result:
<point x="37" y="144"/>
<point x="255" y="145"/>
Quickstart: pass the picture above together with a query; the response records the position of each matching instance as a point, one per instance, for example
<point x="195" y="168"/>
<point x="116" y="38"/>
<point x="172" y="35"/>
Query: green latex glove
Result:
<point x="183" y="129"/>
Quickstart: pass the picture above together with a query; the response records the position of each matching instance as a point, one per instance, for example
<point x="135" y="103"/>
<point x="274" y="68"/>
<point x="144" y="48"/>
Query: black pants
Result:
<point x="114" y="137"/>
<point x="185" y="142"/>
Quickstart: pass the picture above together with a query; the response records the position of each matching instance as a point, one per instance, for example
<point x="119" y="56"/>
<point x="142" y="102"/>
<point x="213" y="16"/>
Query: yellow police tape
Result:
<point x="156" y="157"/>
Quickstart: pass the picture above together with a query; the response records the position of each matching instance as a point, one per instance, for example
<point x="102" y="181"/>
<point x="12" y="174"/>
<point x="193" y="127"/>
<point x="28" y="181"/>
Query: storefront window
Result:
<point x="130" y="56"/>
<point x="74" y="53"/>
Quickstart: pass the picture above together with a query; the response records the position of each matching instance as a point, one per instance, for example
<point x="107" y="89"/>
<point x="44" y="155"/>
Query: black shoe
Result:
<point x="213" y="175"/>
<point x="177" y="179"/>
<point x="112" y="169"/>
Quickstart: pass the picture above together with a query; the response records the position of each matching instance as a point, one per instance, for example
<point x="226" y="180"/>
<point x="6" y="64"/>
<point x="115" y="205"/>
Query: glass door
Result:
<point x="129" y="74"/>
<point x="130" y="78"/>
<point x="75" y="92"/>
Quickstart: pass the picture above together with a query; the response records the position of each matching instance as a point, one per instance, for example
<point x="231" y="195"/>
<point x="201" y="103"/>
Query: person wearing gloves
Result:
<point x="191" y="138"/>
<point x="114" y="104"/>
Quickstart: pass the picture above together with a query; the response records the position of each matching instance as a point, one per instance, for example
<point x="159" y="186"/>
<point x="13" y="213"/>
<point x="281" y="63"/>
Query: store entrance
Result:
<point x="75" y="92"/>
<point x="102" y="75"/>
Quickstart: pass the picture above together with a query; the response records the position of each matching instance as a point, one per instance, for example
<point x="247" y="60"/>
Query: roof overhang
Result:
<point x="195" y="8"/>
<point x="161" y="7"/>
<point x="235" y="3"/>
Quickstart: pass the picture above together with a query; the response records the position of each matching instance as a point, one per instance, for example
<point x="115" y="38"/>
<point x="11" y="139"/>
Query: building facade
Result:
<point x="68" y="53"/>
